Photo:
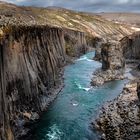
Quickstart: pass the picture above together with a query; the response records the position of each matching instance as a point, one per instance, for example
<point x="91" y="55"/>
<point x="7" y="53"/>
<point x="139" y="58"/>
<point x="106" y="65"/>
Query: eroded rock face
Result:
<point x="98" y="47"/>
<point x="119" y="119"/>
<point x="31" y="62"/>
<point x="75" y="43"/>
<point x="113" y="63"/>
<point x="112" y="56"/>
<point x="131" y="45"/>
<point x="30" y="65"/>
<point x="138" y="90"/>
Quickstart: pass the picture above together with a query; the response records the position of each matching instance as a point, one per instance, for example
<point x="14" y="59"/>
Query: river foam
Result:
<point x="81" y="87"/>
<point x="84" y="58"/>
<point x="54" y="133"/>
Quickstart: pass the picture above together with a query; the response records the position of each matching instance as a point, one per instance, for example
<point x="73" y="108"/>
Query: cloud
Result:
<point x="85" y="5"/>
<point x="20" y="0"/>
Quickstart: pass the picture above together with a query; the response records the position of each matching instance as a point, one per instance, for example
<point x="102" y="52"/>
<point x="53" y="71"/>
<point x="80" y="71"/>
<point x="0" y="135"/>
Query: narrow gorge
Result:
<point x="32" y="61"/>
<point x="59" y="67"/>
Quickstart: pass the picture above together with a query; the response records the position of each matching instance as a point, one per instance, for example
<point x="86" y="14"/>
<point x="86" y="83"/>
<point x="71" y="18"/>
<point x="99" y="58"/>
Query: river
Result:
<point x="69" y="117"/>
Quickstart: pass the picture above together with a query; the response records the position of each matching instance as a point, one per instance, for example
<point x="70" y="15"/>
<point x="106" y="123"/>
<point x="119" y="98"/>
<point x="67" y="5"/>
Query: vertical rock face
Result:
<point x="98" y="45"/>
<point x="112" y="56"/>
<point x="131" y="45"/>
<point x="113" y="63"/>
<point x="138" y="90"/>
<point x="131" y="51"/>
<point x="30" y="61"/>
<point x="5" y="130"/>
<point x="75" y="43"/>
<point x="114" y="53"/>
<point x="30" y="65"/>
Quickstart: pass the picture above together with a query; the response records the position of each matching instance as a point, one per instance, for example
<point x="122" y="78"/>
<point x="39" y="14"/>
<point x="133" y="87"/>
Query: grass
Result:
<point x="91" y="24"/>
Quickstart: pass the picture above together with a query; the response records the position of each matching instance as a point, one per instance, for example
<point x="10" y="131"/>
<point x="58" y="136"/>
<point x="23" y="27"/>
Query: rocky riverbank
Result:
<point x="120" y="119"/>
<point x="100" y="76"/>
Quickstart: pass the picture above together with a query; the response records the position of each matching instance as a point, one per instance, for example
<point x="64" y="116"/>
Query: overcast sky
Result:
<point x="86" y="5"/>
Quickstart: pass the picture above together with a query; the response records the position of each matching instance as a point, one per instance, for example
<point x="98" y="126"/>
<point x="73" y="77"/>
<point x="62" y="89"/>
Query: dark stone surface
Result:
<point x="31" y="63"/>
<point x="138" y="90"/>
<point x="119" y="119"/>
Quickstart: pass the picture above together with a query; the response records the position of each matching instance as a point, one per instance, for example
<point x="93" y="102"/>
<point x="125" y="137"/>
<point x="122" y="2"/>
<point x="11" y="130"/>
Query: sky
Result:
<point x="85" y="5"/>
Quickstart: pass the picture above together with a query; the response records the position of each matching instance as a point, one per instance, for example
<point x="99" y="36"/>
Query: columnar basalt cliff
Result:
<point x="131" y="45"/>
<point x="75" y="43"/>
<point x="31" y="63"/>
<point x="119" y="119"/>
<point x="114" y="55"/>
<point x="113" y="63"/>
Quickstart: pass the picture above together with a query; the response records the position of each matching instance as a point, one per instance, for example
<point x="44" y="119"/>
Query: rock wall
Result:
<point x="113" y="63"/>
<point x="98" y="49"/>
<point x="75" y="43"/>
<point x="138" y="89"/>
<point x="30" y="65"/>
<point x="131" y="45"/>
<point x="112" y="56"/>
<point x="114" y="53"/>
<point x="131" y="52"/>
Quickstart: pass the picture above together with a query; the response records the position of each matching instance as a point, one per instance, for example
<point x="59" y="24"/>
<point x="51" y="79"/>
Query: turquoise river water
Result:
<point x="69" y="117"/>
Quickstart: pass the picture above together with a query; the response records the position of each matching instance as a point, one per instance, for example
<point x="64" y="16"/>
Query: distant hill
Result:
<point x="92" y="24"/>
<point x="127" y="18"/>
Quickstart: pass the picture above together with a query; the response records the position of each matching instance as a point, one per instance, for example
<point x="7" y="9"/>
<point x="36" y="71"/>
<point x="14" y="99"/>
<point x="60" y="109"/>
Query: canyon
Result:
<point x="35" y="46"/>
<point x="31" y="66"/>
